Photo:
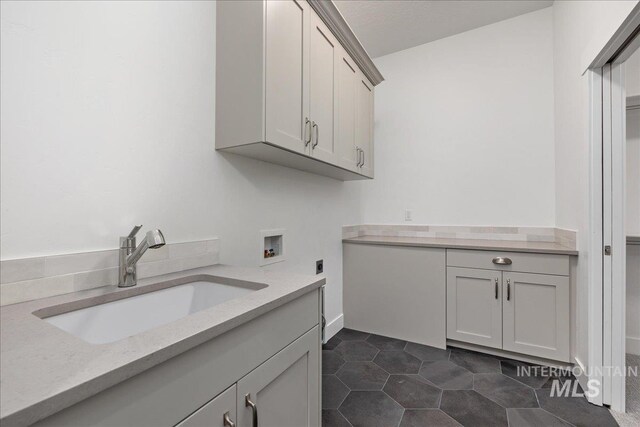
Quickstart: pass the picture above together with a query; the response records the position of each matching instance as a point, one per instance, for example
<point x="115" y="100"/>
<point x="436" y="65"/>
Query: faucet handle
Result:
<point x="134" y="231"/>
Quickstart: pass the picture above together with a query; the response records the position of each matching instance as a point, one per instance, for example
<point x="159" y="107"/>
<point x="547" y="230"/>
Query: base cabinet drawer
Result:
<point x="219" y="412"/>
<point x="536" y="315"/>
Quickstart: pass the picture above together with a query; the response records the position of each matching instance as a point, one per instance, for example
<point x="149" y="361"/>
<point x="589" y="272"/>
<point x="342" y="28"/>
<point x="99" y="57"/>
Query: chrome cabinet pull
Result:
<point x="227" y="421"/>
<point x="363" y="158"/>
<point x="254" y="409"/>
<point x="317" y="128"/>
<point x="508" y="289"/>
<point x="502" y="260"/>
<point x="496" y="288"/>
<point x="358" y="154"/>
<point x="307" y="131"/>
<point x="360" y="158"/>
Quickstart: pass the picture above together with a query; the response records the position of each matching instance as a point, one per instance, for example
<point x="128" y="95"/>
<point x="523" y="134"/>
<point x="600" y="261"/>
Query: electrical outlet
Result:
<point x="408" y="214"/>
<point x="319" y="266"/>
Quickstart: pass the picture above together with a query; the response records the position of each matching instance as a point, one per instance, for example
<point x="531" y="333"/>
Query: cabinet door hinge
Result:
<point x="607" y="250"/>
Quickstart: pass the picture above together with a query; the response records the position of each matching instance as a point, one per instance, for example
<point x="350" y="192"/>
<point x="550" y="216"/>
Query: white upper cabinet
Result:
<point x="322" y="90"/>
<point x="347" y="80"/>
<point x="287" y="73"/>
<point x="364" y="125"/>
<point x="293" y="87"/>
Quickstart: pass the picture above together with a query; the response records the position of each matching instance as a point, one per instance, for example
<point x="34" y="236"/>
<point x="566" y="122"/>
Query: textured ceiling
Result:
<point x="386" y="26"/>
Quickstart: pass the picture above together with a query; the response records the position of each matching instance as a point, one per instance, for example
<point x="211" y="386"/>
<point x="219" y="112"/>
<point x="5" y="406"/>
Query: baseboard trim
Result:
<point x="333" y="327"/>
<point x="633" y="345"/>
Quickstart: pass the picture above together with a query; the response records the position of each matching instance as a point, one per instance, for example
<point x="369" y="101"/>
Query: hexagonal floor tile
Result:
<point x="386" y="343"/>
<point x="475" y="362"/>
<point x="331" y="362"/>
<point x="351" y="335"/>
<point x="398" y="362"/>
<point x="362" y="376"/>
<point x="332" y="343"/>
<point x="333" y="392"/>
<point x="427" y="417"/>
<point x="526" y="373"/>
<point x="575" y="410"/>
<point x="447" y="375"/>
<point x="533" y="417"/>
<point x="411" y="391"/>
<point x="426" y="352"/>
<point x="356" y="351"/>
<point x="505" y="391"/>
<point x="371" y="409"/>
<point x="470" y="408"/>
<point x="333" y="418"/>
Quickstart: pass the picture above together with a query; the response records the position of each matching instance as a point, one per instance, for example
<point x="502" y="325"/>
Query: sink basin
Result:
<point x="115" y="320"/>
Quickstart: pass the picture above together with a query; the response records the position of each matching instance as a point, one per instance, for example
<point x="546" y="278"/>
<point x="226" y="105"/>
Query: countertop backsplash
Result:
<point x="32" y="278"/>
<point x="523" y="234"/>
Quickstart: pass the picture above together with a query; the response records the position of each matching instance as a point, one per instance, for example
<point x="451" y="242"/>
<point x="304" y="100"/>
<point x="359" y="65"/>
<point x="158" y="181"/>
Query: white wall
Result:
<point x="581" y="29"/>
<point x="108" y="121"/>
<point x="464" y="129"/>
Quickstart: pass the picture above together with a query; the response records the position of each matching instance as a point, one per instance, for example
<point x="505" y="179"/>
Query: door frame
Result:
<point x="606" y="285"/>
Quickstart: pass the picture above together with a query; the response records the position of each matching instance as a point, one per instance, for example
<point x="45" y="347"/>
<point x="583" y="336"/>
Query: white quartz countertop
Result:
<point x="478" y="244"/>
<point x="44" y="369"/>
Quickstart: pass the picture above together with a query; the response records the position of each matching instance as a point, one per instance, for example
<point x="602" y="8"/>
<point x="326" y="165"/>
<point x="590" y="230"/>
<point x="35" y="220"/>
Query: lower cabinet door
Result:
<point x="536" y="315"/>
<point x="219" y="412"/>
<point x="474" y="306"/>
<point x="285" y="390"/>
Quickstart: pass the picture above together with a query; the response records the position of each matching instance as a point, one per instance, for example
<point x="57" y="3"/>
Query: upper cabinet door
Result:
<point x="346" y="82"/>
<point x="284" y="391"/>
<point x="287" y="74"/>
<point x="536" y="314"/>
<point x="323" y="52"/>
<point x="364" y="124"/>
<point x="474" y="306"/>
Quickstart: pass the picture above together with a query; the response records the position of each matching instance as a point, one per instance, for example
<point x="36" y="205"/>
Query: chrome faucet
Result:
<point x="130" y="254"/>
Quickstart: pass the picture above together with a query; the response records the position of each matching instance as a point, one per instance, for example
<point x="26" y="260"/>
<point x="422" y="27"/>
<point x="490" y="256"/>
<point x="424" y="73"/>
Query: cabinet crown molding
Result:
<point x="332" y="17"/>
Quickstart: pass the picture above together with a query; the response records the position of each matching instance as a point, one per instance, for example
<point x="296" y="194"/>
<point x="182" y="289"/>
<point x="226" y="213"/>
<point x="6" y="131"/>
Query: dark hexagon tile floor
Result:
<point x="374" y="380"/>
<point x="356" y="351"/>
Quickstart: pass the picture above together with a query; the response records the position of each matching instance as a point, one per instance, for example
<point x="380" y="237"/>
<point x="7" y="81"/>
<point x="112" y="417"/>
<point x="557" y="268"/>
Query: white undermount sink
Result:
<point x="115" y="320"/>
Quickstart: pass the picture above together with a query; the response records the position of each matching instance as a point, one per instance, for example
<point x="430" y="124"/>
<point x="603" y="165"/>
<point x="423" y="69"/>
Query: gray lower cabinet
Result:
<point x="474" y="306"/>
<point x="220" y="412"/>
<point x="506" y="301"/>
<point x="536" y="315"/>
<point x="283" y="391"/>
<point x="396" y="292"/>
<point x="274" y="359"/>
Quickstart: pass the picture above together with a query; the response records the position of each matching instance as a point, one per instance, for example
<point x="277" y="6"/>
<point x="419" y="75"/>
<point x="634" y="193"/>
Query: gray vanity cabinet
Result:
<point x="274" y="358"/>
<point x="474" y="306"/>
<point x="284" y="389"/>
<point x="214" y="413"/>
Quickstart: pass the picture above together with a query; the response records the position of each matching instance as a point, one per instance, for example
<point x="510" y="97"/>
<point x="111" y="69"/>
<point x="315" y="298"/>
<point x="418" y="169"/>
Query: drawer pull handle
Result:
<point x="496" y="288"/>
<point x="254" y="409"/>
<point x="508" y="289"/>
<point x="502" y="260"/>
<point x="227" y="421"/>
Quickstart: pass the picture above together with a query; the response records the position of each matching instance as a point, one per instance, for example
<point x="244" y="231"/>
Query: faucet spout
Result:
<point x="130" y="254"/>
